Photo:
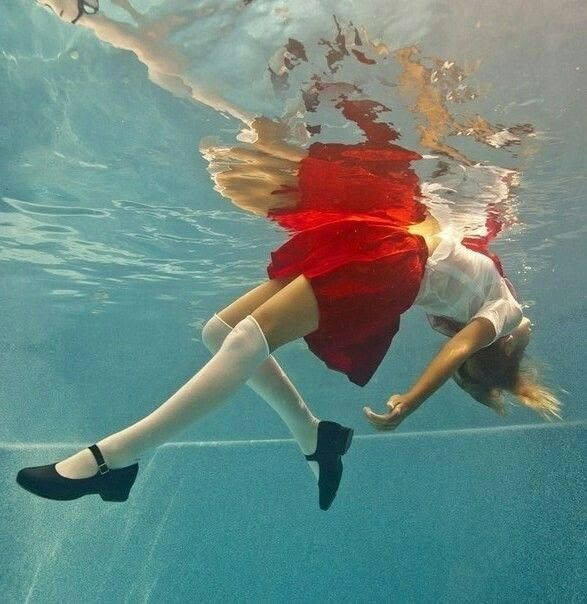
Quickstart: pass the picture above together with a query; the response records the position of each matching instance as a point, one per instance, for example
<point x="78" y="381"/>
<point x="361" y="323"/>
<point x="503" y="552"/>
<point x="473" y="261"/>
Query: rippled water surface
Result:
<point x="116" y="246"/>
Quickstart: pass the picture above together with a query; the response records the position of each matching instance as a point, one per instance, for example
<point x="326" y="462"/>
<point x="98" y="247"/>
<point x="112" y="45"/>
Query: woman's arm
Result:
<point x="475" y="335"/>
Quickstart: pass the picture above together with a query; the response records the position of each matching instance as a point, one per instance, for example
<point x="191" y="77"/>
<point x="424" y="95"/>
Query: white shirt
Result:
<point x="461" y="285"/>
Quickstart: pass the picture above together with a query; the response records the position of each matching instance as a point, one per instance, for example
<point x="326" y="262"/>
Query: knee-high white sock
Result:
<point x="240" y="354"/>
<point x="271" y="383"/>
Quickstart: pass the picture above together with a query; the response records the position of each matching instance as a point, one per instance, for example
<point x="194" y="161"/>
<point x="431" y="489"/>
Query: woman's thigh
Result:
<point x="284" y="309"/>
<point x="249" y="302"/>
<point x="289" y="314"/>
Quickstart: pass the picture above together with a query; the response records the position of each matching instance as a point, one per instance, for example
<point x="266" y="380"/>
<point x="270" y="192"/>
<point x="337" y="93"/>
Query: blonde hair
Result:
<point x="490" y="372"/>
<point x="535" y="395"/>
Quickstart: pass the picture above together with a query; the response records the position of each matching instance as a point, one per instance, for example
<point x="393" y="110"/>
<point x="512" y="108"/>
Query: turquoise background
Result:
<point x="115" y="249"/>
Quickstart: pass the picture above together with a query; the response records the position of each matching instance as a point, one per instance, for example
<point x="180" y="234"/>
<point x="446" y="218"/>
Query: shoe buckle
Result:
<point x="101" y="463"/>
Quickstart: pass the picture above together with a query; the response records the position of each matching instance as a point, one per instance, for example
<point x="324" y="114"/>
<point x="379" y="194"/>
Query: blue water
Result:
<point x="115" y="249"/>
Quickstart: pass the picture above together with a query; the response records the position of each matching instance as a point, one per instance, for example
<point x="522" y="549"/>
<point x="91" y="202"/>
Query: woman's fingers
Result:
<point x="383" y="421"/>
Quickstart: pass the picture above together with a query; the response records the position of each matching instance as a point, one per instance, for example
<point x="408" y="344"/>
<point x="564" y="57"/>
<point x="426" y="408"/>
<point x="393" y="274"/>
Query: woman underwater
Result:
<point x="363" y="250"/>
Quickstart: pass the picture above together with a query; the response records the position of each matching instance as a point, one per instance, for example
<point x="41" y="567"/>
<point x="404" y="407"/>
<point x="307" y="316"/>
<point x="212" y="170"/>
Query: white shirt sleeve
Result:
<point x="502" y="310"/>
<point x="444" y="325"/>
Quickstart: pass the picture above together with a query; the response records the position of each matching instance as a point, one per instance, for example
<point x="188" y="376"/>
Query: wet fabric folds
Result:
<point x="349" y="237"/>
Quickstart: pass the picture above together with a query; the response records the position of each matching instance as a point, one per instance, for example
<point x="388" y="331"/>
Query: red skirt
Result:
<point x="350" y="240"/>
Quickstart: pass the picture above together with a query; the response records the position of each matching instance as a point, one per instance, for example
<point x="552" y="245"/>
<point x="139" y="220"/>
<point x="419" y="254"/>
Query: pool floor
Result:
<point x="483" y="515"/>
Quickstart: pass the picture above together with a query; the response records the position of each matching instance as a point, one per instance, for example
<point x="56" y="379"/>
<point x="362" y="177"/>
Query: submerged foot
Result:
<point x="80" y="465"/>
<point x="110" y="484"/>
<point x="333" y="442"/>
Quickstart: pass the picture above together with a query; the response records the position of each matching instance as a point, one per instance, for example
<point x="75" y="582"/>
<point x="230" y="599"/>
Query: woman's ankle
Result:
<point x="115" y="455"/>
<point x="307" y="438"/>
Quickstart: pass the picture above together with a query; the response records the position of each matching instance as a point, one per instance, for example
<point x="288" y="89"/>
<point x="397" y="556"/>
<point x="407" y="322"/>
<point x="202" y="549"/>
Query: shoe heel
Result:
<point x="116" y="492"/>
<point x="119" y="491"/>
<point x="114" y="495"/>
<point x="345" y="439"/>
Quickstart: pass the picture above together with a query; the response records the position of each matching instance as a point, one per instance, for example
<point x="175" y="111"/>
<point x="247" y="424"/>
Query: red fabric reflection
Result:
<point x="341" y="180"/>
<point x="494" y="224"/>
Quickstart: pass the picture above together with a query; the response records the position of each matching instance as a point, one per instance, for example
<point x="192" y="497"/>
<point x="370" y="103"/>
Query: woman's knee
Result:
<point x="214" y="332"/>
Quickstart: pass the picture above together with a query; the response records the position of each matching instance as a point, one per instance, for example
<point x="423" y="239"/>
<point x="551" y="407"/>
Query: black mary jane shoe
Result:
<point x="334" y="441"/>
<point x="111" y="485"/>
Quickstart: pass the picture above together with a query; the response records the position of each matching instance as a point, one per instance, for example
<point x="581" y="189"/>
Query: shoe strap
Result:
<point x="102" y="467"/>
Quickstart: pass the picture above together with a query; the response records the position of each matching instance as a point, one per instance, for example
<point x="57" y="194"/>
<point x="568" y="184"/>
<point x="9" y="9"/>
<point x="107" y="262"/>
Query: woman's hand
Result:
<point x="399" y="408"/>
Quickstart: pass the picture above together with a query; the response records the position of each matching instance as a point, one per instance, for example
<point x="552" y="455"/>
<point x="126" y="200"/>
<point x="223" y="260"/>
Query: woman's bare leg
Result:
<point x="288" y="315"/>
<point x="291" y="313"/>
<point x="249" y="302"/>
